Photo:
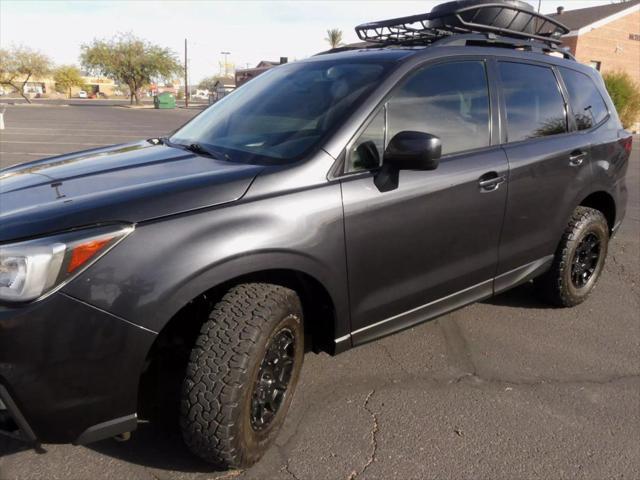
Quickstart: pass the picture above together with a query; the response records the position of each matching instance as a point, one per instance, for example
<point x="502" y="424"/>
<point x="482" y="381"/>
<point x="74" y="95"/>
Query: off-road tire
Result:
<point x="556" y="286"/>
<point x="216" y="405"/>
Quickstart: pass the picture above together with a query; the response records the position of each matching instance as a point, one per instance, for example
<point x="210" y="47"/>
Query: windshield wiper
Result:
<point x="199" y="149"/>
<point x="202" y="150"/>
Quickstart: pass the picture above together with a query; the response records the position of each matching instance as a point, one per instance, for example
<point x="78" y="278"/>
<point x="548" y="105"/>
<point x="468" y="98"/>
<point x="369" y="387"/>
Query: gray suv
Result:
<point x="324" y="204"/>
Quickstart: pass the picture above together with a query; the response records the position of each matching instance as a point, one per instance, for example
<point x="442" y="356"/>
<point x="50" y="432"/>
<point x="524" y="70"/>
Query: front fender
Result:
<point x="164" y="264"/>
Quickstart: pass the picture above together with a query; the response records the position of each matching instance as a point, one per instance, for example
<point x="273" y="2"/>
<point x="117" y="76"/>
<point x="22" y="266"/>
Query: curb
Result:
<point x="24" y="104"/>
<point x="136" y="107"/>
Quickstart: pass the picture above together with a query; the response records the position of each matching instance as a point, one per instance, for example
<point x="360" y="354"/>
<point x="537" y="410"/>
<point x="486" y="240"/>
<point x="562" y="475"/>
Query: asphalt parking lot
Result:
<point x="504" y="389"/>
<point x="45" y="129"/>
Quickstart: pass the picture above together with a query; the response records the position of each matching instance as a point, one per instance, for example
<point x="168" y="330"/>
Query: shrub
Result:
<point x="625" y="94"/>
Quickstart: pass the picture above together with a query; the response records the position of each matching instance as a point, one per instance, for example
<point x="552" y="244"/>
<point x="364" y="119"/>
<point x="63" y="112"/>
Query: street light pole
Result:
<point x="226" y="72"/>
<point x="186" y="79"/>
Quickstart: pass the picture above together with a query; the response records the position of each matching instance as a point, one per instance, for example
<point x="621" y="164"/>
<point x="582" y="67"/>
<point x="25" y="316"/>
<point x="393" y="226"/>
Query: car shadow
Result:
<point x="523" y="296"/>
<point x="9" y="446"/>
<point x="155" y="447"/>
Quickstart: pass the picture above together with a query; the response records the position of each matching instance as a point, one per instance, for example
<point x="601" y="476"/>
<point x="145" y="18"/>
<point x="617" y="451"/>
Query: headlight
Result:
<point x="31" y="269"/>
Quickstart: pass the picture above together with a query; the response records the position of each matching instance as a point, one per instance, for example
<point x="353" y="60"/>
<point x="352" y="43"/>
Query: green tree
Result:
<point x="334" y="37"/>
<point x="625" y="94"/>
<point x="208" y="83"/>
<point x="67" y="77"/>
<point x="131" y="61"/>
<point x="18" y="65"/>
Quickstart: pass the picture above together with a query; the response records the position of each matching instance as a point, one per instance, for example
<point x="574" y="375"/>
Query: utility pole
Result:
<point x="226" y="71"/>
<point x="536" y="22"/>
<point x="186" y="78"/>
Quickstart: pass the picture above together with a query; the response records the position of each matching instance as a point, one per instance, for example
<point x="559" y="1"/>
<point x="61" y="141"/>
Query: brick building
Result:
<point x="606" y="37"/>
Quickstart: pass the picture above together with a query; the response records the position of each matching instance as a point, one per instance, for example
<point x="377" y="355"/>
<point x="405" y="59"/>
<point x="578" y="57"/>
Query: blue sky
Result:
<point x="250" y="30"/>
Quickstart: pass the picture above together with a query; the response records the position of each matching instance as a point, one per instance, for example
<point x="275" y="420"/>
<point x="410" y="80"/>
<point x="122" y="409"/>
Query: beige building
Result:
<point x="606" y="37"/>
<point x="96" y="85"/>
<point x="46" y="86"/>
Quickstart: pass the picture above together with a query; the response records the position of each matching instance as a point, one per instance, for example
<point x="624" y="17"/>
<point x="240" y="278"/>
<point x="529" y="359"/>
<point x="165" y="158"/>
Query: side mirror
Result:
<point x="366" y="156"/>
<point x="409" y="150"/>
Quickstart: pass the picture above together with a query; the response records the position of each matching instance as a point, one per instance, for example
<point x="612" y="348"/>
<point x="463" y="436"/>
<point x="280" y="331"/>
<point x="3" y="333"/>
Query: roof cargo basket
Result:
<point x="512" y="18"/>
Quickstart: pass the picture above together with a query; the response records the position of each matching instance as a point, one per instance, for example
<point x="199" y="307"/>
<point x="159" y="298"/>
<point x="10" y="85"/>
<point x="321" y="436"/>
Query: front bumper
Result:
<point x="69" y="372"/>
<point x="12" y="422"/>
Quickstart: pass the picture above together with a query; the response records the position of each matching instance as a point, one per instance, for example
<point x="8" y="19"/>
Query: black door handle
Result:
<point x="577" y="158"/>
<point x="491" y="181"/>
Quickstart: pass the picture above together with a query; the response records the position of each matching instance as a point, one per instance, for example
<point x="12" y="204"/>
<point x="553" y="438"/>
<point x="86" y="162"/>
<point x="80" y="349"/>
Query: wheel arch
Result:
<point x="166" y="359"/>
<point x="604" y="203"/>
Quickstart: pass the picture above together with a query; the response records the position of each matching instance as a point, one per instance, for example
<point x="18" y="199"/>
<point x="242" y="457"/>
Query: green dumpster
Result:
<point x="164" y="100"/>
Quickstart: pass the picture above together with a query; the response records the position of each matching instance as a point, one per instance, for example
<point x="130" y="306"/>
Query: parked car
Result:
<point x="200" y="95"/>
<point x="331" y="202"/>
<point x="82" y="94"/>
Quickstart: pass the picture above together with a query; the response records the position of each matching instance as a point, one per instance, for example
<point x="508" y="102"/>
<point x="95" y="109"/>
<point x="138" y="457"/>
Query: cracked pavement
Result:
<point x="503" y="389"/>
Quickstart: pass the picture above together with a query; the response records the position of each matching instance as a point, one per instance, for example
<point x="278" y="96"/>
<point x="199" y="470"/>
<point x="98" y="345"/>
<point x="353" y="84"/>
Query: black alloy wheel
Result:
<point x="274" y="377"/>
<point x="585" y="260"/>
<point x="578" y="261"/>
<point x="242" y="374"/>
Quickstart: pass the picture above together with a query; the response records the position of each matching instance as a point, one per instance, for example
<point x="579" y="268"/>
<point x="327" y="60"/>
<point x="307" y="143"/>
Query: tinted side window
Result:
<point x="586" y="102"/>
<point x="450" y="100"/>
<point x="535" y="107"/>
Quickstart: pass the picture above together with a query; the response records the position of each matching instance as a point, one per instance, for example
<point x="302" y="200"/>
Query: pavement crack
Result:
<point x="393" y="359"/>
<point x="462" y="361"/>
<point x="153" y="475"/>
<point x="374" y="438"/>
<point x="286" y="468"/>
<point x="231" y="474"/>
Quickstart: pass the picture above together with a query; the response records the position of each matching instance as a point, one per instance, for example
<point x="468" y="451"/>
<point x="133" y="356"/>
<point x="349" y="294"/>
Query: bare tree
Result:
<point x="18" y="65"/>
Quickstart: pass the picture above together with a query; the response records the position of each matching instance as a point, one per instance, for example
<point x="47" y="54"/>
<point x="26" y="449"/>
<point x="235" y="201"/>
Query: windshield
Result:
<point x="284" y="113"/>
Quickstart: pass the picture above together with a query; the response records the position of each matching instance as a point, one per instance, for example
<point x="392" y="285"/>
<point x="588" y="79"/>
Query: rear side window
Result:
<point x="535" y="107"/>
<point x="587" y="104"/>
<point x="450" y="100"/>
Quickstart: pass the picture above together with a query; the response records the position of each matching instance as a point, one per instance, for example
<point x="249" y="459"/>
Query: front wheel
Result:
<point x="242" y="374"/>
<point x="579" y="260"/>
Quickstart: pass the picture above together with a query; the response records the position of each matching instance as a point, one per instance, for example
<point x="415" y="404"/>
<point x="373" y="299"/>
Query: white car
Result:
<point x="82" y="94"/>
<point x="200" y="95"/>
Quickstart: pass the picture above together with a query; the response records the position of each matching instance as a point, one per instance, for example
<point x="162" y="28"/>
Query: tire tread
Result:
<point x="552" y="285"/>
<point x="218" y="369"/>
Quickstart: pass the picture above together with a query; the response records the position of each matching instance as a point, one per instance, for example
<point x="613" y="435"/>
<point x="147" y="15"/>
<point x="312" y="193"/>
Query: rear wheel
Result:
<point x="579" y="260"/>
<point x="242" y="374"/>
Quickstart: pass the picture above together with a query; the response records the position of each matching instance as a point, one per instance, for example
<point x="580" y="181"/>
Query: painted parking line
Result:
<point x="38" y="129"/>
<point x="41" y="154"/>
<point x="16" y="123"/>
<point x="57" y="143"/>
<point x="132" y="135"/>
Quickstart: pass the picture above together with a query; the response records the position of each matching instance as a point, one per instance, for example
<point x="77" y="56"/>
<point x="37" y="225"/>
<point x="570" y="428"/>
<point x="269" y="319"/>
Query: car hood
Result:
<point x="123" y="183"/>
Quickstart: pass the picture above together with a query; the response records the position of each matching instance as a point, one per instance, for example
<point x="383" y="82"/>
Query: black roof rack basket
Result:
<point x="513" y="18"/>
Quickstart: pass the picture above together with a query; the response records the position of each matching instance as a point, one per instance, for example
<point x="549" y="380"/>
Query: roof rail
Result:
<point x="492" y="40"/>
<point x="512" y="18"/>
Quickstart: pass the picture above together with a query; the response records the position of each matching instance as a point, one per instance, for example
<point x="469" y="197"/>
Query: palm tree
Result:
<point x="334" y="37"/>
